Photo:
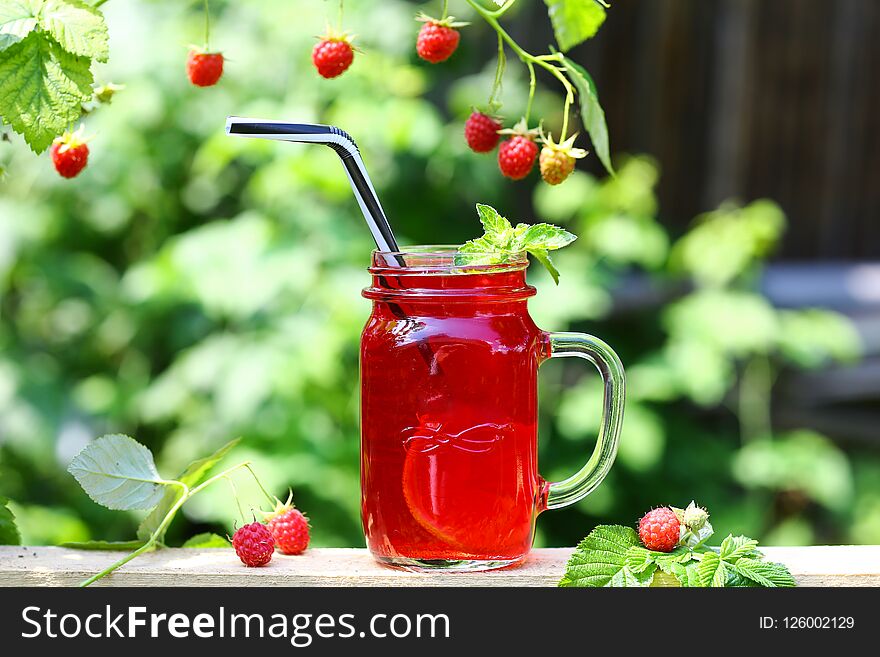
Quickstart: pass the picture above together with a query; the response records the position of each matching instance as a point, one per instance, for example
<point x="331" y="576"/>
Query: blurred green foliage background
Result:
<point x="189" y="288"/>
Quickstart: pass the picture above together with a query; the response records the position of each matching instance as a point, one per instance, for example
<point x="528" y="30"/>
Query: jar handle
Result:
<point x="579" y="485"/>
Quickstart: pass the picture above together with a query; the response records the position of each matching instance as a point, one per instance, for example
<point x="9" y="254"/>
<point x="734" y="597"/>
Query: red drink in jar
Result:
<point x="449" y="363"/>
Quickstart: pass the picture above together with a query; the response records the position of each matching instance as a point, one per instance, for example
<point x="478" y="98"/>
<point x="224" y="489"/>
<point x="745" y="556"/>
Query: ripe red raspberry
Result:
<point x="516" y="157"/>
<point x="556" y="165"/>
<point x="204" y="68"/>
<point x="254" y="544"/>
<point x="659" y="529"/>
<point x="70" y="154"/>
<point x="332" y="56"/>
<point x="290" y="528"/>
<point x="436" y="41"/>
<point x="481" y="132"/>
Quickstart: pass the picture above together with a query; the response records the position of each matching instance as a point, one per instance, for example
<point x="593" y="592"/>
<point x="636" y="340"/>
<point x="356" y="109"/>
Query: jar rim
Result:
<point x="441" y="258"/>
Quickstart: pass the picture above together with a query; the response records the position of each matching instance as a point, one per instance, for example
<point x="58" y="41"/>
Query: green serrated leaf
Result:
<point x="601" y="560"/>
<point x="592" y="114"/>
<point x="574" y="21"/>
<point x="544" y="258"/>
<point x="206" y="540"/>
<point x="736" y="547"/>
<point x="638" y="559"/>
<point x="191" y="476"/>
<point x="711" y="571"/>
<point x="42" y="89"/>
<point x="9" y="534"/>
<point x="18" y="18"/>
<point x="546" y="236"/>
<point x="493" y="223"/>
<point x="124" y="546"/>
<point x="77" y="27"/>
<point x="765" y="573"/>
<point x="118" y="472"/>
<point x="667" y="561"/>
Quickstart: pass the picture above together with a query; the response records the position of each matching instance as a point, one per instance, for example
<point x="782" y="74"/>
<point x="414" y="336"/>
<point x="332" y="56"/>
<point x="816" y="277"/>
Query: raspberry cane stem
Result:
<point x="544" y="61"/>
<point x="154" y="537"/>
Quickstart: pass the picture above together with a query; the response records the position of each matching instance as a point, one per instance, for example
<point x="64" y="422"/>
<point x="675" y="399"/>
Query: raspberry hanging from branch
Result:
<point x="573" y="22"/>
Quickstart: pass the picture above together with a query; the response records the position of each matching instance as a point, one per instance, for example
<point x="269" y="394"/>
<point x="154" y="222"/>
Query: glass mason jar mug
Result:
<point x="449" y="408"/>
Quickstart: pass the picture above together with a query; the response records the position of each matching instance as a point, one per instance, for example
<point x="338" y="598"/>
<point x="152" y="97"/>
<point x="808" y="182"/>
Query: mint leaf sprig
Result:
<point x="120" y="473"/>
<point x="501" y="242"/>
<point x="612" y="555"/>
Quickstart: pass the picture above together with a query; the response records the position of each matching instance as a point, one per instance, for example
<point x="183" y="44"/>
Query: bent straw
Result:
<point x="341" y="142"/>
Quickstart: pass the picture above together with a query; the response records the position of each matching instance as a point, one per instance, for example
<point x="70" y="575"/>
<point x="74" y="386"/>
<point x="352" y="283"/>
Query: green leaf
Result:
<point x="544" y="258"/>
<point x="9" y="534"/>
<point x="124" y="546"/>
<point x="574" y="21"/>
<point x="667" y="561"/>
<point x="42" y="89"/>
<point x="638" y="559"/>
<point x="546" y="236"/>
<point x="206" y="540"/>
<point x="493" y="223"/>
<point x="601" y="560"/>
<point x="592" y="114"/>
<point x="77" y="27"/>
<point x="737" y="547"/>
<point x="711" y="571"/>
<point x="18" y="18"/>
<point x="765" y="573"/>
<point x="192" y="475"/>
<point x="118" y="472"/>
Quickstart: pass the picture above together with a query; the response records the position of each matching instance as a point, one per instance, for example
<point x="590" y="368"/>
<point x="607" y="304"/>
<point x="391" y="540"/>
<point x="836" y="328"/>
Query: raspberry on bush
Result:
<point x="437" y="39"/>
<point x="481" y="132"/>
<point x="332" y="56"/>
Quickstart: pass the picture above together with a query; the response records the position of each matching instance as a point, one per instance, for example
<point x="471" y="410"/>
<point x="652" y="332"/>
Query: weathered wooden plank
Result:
<point x="51" y="566"/>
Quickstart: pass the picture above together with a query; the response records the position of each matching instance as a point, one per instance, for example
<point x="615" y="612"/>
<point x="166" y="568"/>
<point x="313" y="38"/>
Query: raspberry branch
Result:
<point x="186" y="495"/>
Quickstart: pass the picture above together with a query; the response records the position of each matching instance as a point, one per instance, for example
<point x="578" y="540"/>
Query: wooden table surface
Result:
<point x="846" y="565"/>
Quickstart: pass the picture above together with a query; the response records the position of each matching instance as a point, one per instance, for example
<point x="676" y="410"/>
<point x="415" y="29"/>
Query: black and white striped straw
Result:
<point x="341" y="142"/>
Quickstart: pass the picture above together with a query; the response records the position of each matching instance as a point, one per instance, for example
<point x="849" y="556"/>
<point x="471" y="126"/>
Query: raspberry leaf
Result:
<point x="118" y="472"/>
<point x="736" y="547"/>
<point x="77" y="27"/>
<point x="192" y="475"/>
<point x="711" y="571"/>
<point x="206" y="540"/>
<point x="9" y="534"/>
<point x="764" y="573"/>
<point x="574" y="21"/>
<point x="123" y="546"/>
<point x="18" y="18"/>
<point x="592" y="114"/>
<point x="601" y="560"/>
<point x="42" y="88"/>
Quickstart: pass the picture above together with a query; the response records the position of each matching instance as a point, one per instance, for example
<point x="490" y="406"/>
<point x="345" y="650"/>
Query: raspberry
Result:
<point x="290" y="528"/>
<point x="659" y="529"/>
<point x="332" y="56"/>
<point x="70" y="154"/>
<point x="204" y="68"/>
<point x="556" y="165"/>
<point x="254" y="544"/>
<point x="437" y="41"/>
<point x="481" y="132"/>
<point x="516" y="157"/>
<point x="557" y="160"/>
